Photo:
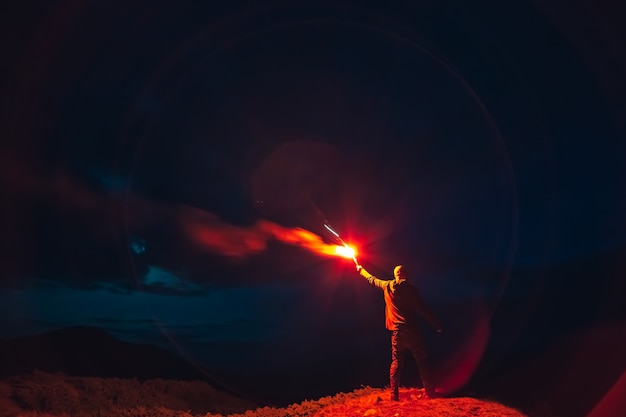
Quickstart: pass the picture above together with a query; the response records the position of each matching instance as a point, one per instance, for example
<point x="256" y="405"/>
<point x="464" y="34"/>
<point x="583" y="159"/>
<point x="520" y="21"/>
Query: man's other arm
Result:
<point x="424" y="311"/>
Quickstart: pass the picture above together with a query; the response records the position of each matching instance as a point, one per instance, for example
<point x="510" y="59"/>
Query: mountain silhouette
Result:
<point x="90" y="351"/>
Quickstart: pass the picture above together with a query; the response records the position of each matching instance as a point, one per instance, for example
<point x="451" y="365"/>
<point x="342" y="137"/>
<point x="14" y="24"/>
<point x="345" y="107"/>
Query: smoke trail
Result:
<point x="206" y="232"/>
<point x="101" y="211"/>
<point x="210" y="234"/>
<point x="297" y="236"/>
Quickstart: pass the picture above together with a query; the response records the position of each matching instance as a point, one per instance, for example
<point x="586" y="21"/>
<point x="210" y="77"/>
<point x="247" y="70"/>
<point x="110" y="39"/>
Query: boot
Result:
<point x="394" y="394"/>
<point x="429" y="391"/>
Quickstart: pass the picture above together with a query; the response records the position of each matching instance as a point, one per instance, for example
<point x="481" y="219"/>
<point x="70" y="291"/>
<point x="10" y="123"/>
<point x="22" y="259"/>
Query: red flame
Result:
<point x="345" y="251"/>
<point x="305" y="239"/>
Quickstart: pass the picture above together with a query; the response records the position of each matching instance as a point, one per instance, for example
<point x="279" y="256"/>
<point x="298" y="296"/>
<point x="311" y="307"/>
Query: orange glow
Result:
<point x="345" y="251"/>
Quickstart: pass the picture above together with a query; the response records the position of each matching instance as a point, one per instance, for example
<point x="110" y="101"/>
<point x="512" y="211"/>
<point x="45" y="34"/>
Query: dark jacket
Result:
<point x="403" y="303"/>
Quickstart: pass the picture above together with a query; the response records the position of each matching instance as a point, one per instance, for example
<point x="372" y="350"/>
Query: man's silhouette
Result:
<point x="403" y="306"/>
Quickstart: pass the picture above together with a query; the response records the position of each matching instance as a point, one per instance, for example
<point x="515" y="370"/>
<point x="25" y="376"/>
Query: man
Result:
<point x="402" y="307"/>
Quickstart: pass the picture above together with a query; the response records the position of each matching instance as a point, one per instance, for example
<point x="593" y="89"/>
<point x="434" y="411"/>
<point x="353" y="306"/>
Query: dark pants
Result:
<point x="401" y="341"/>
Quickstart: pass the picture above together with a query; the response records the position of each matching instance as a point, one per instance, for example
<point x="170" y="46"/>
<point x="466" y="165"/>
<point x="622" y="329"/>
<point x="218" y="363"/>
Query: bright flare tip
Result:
<point x="345" y="251"/>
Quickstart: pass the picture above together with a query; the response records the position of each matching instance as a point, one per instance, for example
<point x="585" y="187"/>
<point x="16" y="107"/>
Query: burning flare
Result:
<point x="345" y="251"/>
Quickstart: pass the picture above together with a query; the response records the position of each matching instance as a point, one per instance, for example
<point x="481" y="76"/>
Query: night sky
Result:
<point x="480" y="144"/>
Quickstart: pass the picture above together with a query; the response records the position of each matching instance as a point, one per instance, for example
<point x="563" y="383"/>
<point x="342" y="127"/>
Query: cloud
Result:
<point x="160" y="281"/>
<point x="125" y="321"/>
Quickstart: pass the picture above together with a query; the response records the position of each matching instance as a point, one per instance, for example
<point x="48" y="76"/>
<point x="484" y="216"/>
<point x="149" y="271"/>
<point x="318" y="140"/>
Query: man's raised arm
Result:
<point x="371" y="278"/>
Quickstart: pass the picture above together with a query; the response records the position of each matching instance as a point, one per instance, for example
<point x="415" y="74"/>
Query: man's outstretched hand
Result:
<point x="358" y="268"/>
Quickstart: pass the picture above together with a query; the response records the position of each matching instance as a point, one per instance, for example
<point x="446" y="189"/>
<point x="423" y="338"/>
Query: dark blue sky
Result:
<point x="480" y="145"/>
